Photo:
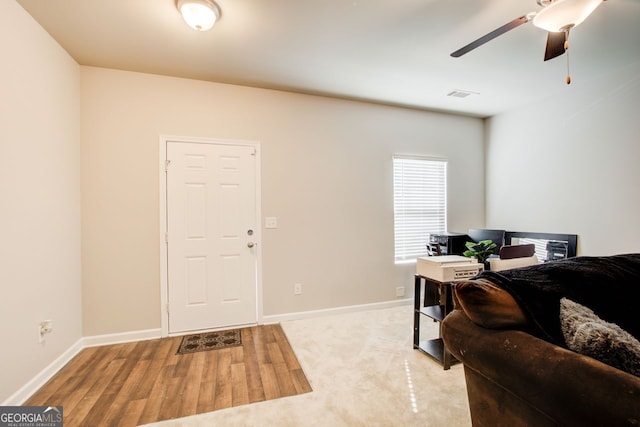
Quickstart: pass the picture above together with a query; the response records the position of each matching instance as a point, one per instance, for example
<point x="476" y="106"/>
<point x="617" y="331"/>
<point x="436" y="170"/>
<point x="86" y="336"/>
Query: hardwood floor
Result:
<point x="142" y="382"/>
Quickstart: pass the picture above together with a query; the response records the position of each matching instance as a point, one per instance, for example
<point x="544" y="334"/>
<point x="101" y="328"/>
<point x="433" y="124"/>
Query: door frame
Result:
<point x="164" y="264"/>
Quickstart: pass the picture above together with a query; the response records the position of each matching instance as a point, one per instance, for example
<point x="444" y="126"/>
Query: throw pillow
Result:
<point x="488" y="305"/>
<point x="586" y="333"/>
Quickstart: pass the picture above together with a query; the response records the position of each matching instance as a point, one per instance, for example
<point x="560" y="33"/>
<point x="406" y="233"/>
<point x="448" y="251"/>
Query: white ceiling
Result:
<point x="388" y="51"/>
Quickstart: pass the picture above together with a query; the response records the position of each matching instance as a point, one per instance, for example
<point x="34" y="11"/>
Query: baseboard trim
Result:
<point x="21" y="396"/>
<point x="123" y="337"/>
<point x="277" y="318"/>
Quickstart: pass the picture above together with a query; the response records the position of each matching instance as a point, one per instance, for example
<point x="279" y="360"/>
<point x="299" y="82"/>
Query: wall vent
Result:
<point x="461" y="93"/>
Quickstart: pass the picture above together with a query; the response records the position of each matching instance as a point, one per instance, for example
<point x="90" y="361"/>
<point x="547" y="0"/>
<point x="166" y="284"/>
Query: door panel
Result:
<point x="211" y="206"/>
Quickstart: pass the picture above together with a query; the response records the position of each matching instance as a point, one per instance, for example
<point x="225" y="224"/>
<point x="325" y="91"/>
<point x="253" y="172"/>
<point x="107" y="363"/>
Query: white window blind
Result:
<point x="420" y="204"/>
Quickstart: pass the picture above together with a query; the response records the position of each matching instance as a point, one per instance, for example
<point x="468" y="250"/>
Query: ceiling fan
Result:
<point x="557" y="17"/>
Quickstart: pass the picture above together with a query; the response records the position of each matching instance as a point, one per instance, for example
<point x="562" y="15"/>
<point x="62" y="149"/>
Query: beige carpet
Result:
<point x="364" y="372"/>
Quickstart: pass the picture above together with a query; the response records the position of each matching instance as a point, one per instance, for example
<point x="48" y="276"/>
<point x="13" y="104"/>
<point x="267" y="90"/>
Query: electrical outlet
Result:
<point x="297" y="289"/>
<point x="271" y="222"/>
<point x="45" y="327"/>
<point x="400" y="291"/>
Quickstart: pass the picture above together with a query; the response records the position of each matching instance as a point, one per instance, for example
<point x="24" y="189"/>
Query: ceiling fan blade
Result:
<point x="492" y="35"/>
<point x="555" y="45"/>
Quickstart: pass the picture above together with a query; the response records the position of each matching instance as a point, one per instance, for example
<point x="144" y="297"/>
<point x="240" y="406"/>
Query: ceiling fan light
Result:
<point x="200" y="15"/>
<point x="562" y="14"/>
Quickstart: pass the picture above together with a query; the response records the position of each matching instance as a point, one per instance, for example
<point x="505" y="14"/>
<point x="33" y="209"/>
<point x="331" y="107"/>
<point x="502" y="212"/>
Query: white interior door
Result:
<point x="212" y="236"/>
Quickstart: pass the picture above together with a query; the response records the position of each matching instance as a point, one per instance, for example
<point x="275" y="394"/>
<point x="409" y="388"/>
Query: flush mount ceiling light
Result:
<point x="199" y="14"/>
<point x="562" y="14"/>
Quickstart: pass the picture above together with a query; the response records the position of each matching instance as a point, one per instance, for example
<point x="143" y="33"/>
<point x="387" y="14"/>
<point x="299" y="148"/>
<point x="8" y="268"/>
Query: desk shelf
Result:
<point x="436" y="305"/>
<point x="436" y="312"/>
<point x="435" y="349"/>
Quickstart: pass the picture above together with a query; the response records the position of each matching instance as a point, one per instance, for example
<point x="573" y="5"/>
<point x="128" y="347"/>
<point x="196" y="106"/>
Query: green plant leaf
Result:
<point x="480" y="250"/>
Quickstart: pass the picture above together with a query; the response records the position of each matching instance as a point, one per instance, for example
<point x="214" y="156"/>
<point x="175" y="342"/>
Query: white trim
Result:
<point x="222" y="328"/>
<point x="164" y="297"/>
<point x="419" y="157"/>
<point x="258" y="231"/>
<point x="277" y="318"/>
<point x="21" y="396"/>
<point x="123" y="337"/>
<point x="26" y="391"/>
<point x="162" y="155"/>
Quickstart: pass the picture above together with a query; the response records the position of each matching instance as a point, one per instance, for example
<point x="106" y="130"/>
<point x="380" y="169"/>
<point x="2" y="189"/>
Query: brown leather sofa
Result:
<point x="518" y="371"/>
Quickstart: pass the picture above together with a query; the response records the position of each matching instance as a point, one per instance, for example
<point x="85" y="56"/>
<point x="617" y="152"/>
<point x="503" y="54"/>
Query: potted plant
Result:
<point x="480" y="251"/>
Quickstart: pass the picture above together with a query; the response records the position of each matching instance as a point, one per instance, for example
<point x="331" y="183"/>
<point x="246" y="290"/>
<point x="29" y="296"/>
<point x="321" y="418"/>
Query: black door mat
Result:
<point x="210" y="341"/>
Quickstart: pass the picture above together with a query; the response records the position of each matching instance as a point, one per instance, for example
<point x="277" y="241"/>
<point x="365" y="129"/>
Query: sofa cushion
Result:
<point x="488" y="305"/>
<point x="586" y="333"/>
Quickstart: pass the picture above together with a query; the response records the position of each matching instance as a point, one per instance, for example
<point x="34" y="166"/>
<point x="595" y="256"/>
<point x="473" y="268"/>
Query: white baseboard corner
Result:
<point x="19" y="397"/>
<point x="277" y="318"/>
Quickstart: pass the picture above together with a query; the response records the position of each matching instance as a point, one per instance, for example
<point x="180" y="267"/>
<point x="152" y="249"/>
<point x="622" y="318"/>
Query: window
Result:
<point x="419" y="203"/>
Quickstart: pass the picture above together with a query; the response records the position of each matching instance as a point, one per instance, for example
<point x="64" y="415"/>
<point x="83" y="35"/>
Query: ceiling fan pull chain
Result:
<point x="566" y="49"/>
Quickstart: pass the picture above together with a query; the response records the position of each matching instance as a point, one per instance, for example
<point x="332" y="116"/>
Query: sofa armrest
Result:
<point x="567" y="387"/>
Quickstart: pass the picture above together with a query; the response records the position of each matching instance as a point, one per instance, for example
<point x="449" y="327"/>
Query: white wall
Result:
<point x="570" y="165"/>
<point x="40" y="193"/>
<point x="326" y="176"/>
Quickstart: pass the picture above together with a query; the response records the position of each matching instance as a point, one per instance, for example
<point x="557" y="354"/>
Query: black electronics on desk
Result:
<point x="548" y="246"/>
<point x="447" y="244"/>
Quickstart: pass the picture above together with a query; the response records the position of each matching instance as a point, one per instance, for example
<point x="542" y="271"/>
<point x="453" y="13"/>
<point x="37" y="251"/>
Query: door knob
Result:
<point x="250" y="244"/>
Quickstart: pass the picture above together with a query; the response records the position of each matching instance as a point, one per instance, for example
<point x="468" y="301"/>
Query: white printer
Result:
<point x="448" y="268"/>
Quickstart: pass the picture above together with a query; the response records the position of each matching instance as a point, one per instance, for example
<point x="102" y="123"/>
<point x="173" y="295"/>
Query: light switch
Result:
<point x="271" y="222"/>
